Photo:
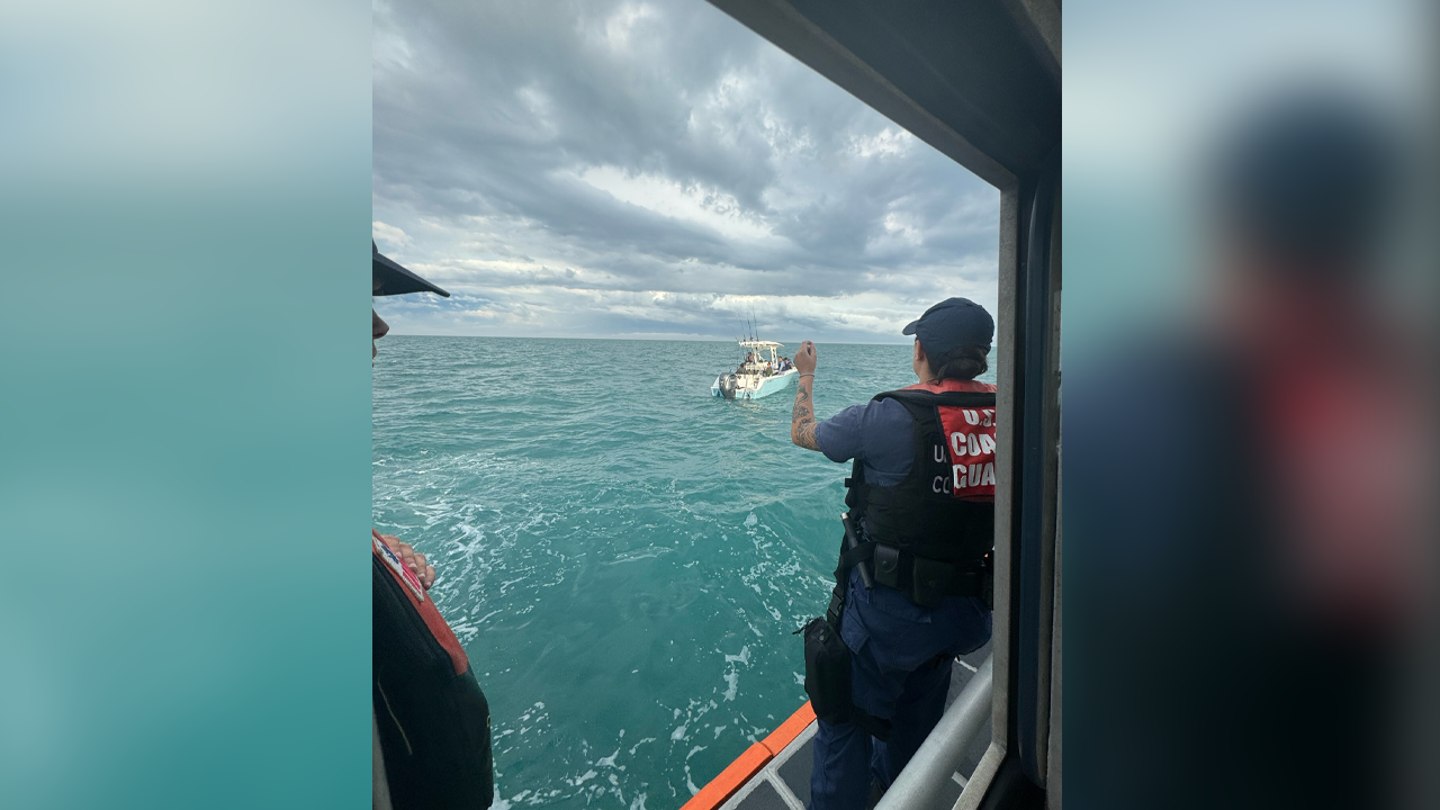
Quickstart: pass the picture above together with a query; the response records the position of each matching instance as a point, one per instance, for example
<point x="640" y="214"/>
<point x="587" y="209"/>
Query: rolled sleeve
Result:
<point x="840" y="437"/>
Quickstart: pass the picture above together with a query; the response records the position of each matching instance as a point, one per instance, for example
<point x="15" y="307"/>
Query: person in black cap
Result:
<point x="388" y="277"/>
<point x="430" y="722"/>
<point x="1268" y="503"/>
<point x="912" y="587"/>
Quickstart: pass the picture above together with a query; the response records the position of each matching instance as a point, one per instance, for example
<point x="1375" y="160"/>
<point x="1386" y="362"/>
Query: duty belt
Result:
<point x="924" y="580"/>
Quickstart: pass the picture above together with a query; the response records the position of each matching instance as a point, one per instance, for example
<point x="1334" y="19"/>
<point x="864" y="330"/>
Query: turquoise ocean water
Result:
<point x="623" y="556"/>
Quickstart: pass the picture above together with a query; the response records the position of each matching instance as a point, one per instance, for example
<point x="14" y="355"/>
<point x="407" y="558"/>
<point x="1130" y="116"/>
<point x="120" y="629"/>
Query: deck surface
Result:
<point x="784" y="782"/>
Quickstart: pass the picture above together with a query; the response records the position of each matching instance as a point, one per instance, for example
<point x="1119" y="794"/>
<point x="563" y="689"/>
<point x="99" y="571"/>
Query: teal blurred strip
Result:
<point x="185" y="444"/>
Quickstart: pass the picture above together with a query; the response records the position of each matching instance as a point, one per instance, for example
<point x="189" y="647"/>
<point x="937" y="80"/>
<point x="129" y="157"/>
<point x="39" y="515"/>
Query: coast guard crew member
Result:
<point x="430" y="721"/>
<point x="921" y="500"/>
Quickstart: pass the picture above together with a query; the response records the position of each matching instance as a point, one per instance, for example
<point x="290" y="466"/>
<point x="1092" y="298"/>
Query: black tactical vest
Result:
<point x="920" y="516"/>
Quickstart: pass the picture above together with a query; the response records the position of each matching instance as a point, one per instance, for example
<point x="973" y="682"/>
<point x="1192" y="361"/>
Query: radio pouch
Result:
<point x="929" y="581"/>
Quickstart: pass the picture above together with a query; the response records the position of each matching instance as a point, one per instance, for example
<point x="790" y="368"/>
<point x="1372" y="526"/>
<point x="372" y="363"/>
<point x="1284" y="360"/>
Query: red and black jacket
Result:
<point x="433" y="720"/>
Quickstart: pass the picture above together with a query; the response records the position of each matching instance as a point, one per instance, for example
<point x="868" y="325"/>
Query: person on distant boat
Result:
<point x="925" y="531"/>
<point x="430" y="720"/>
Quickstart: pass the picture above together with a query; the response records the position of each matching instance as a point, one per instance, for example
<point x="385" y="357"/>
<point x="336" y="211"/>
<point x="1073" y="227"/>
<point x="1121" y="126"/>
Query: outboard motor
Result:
<point x="728" y="384"/>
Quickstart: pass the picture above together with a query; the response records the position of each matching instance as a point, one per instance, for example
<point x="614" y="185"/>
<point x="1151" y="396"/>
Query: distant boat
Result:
<point x="760" y="374"/>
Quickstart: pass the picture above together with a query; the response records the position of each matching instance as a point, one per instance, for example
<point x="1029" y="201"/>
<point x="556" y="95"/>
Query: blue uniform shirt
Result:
<point x="877" y="433"/>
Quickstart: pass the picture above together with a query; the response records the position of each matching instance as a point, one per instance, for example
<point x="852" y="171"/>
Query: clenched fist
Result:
<point x="805" y="358"/>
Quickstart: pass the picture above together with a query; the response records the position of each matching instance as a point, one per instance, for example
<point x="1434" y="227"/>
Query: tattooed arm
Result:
<point x="802" y="418"/>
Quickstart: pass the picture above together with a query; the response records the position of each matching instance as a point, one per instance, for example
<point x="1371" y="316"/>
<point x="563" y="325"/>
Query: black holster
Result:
<point x="827" y="672"/>
<point x="827" y="661"/>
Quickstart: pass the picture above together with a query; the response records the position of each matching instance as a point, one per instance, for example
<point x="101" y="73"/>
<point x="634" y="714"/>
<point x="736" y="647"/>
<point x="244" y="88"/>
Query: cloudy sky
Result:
<point x="651" y="170"/>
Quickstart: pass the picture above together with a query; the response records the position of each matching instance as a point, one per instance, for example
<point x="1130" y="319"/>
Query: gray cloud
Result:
<point x="619" y="168"/>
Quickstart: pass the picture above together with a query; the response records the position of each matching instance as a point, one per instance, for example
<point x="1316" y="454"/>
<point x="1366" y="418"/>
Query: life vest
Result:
<point x="943" y="512"/>
<point x="433" y="720"/>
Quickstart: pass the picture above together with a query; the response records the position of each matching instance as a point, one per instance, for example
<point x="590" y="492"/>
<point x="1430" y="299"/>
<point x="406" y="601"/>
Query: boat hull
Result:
<point x="766" y="386"/>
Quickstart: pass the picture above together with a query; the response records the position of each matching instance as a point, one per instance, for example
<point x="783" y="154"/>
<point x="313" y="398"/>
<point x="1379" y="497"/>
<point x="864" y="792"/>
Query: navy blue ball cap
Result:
<point x="950" y="324"/>
<point x="389" y="278"/>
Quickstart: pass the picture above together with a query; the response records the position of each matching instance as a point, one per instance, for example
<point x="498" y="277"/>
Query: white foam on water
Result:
<point x="732" y="680"/>
<point x="679" y="733"/>
<point x="743" y="657"/>
<point x="638" y="744"/>
<point x="689" y="782"/>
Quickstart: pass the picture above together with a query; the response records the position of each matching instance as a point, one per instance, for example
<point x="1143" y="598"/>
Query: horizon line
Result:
<point x="640" y="339"/>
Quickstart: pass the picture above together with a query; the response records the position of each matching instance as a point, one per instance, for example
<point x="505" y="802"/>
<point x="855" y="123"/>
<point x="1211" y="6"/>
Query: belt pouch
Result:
<point x="930" y="579"/>
<point x="887" y="565"/>
<point x="827" y="672"/>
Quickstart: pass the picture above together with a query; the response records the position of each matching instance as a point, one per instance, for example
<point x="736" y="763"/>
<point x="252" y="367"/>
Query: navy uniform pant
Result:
<point x="900" y="671"/>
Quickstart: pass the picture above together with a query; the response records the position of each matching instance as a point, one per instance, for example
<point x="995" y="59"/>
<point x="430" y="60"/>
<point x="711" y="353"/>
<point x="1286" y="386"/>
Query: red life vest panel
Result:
<point x="970" y="440"/>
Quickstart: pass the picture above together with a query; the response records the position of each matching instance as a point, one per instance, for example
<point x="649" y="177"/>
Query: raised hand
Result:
<point x="805" y="358"/>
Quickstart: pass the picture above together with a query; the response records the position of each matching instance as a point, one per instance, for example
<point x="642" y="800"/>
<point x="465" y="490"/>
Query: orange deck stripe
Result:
<point x="730" y="780"/>
<point x="789" y="730"/>
<point x="749" y="763"/>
